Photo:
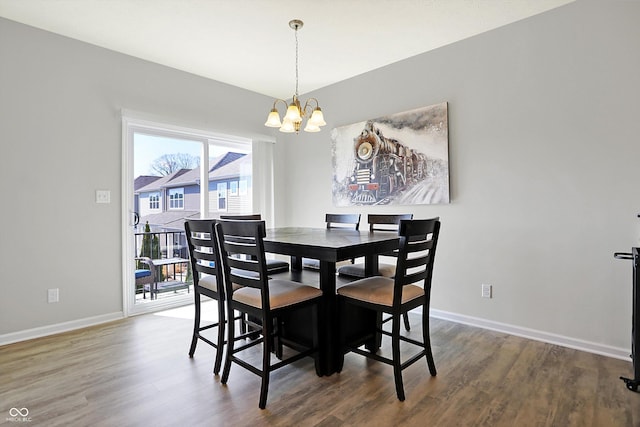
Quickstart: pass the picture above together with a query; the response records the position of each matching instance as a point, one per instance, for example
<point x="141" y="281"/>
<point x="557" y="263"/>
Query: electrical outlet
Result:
<point x="486" y="291"/>
<point x="53" y="295"/>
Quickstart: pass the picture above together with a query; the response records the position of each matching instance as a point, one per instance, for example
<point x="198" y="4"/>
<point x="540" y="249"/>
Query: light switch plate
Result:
<point x="103" y="196"/>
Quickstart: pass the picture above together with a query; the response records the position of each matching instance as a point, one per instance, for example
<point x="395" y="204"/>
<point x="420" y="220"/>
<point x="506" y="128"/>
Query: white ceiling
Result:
<point x="248" y="43"/>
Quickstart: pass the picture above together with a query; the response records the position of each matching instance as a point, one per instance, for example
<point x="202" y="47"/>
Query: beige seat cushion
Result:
<point x="277" y="266"/>
<point x="357" y="270"/>
<point x="314" y="264"/>
<point x="209" y="282"/>
<point x="281" y="294"/>
<point x="378" y="290"/>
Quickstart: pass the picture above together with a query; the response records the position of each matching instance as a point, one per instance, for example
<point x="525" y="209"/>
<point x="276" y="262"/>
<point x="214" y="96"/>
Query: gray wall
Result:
<point x="544" y="149"/>
<point x="543" y="126"/>
<point x="60" y="137"/>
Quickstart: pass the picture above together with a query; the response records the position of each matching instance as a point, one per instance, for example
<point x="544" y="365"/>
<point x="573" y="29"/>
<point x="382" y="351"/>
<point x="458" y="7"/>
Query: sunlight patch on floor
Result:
<point x="209" y="312"/>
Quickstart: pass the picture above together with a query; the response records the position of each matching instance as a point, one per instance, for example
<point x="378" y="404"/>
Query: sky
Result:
<point x="147" y="148"/>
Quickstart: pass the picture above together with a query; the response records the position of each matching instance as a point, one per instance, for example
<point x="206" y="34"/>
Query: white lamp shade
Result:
<point x="287" y="126"/>
<point x="293" y="113"/>
<point x="317" y="118"/>
<point x="310" y="127"/>
<point x="273" y="119"/>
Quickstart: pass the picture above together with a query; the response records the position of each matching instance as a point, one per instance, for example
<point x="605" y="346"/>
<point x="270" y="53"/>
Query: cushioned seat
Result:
<point x="142" y="273"/>
<point x="275" y="266"/>
<point x="281" y="294"/>
<point x="357" y="270"/>
<point x="379" y="290"/>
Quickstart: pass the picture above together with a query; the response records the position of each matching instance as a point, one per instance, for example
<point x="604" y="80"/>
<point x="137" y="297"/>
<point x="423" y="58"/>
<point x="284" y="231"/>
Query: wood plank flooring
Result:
<point x="136" y="372"/>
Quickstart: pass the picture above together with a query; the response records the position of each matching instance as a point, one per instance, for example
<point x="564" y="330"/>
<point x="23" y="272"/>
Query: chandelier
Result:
<point x="295" y="113"/>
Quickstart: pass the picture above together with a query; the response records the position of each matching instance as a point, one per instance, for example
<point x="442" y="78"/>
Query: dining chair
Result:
<point x="409" y="289"/>
<point x="379" y="222"/>
<point x="208" y="280"/>
<point x="270" y="300"/>
<point x="349" y="221"/>
<point x="274" y="266"/>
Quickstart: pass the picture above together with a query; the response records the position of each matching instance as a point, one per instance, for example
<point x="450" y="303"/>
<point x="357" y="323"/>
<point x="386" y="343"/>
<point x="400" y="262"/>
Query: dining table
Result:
<point x="329" y="246"/>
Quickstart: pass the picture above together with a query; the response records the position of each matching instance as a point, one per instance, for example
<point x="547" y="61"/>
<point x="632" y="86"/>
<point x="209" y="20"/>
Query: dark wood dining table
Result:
<point x="330" y="246"/>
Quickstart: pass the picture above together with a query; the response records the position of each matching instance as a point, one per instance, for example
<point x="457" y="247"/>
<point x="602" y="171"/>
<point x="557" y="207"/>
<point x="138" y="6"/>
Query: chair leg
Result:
<point x="229" y="354"/>
<point x="243" y="323"/>
<point x="196" y="325"/>
<point x="405" y="316"/>
<point x="315" y="342"/>
<point x="395" y="350"/>
<point x="426" y="337"/>
<point x="267" y="337"/>
<point x="277" y="342"/>
<point x="221" y="329"/>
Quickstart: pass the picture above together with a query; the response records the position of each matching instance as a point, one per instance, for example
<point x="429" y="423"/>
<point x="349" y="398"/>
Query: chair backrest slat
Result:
<point x="249" y="217"/>
<point x="343" y="221"/>
<point x="386" y="222"/>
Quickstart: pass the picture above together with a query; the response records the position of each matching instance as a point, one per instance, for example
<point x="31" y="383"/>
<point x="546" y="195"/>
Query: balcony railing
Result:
<point x="168" y="250"/>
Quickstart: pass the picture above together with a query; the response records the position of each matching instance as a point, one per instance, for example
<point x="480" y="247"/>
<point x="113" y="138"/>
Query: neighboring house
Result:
<point x="166" y="201"/>
<point x="138" y="183"/>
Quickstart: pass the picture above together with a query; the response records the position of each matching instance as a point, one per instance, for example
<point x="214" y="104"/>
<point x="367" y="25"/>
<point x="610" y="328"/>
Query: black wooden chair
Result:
<point x="351" y="221"/>
<point x="411" y="288"/>
<point x="207" y="280"/>
<point x="379" y="222"/>
<point x="274" y="266"/>
<point x="242" y="251"/>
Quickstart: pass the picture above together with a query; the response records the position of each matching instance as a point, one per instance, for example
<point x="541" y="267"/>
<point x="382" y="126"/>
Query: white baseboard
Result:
<point x="58" y="328"/>
<point x="591" y="347"/>
<point x="577" y="344"/>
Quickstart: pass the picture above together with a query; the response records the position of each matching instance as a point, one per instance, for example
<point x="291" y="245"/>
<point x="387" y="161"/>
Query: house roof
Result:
<point x="143" y="181"/>
<point x="228" y="165"/>
<point x="233" y="169"/>
<point x="169" y="219"/>
<point x="161" y="182"/>
<point x="225" y="159"/>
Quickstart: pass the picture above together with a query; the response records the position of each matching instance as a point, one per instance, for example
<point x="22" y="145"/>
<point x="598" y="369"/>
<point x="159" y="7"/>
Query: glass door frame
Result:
<point x="130" y="126"/>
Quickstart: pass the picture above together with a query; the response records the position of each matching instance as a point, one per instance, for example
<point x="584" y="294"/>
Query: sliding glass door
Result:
<point x="171" y="174"/>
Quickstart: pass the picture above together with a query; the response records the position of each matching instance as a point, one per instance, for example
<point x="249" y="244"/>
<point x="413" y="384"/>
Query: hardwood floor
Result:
<point x="136" y="372"/>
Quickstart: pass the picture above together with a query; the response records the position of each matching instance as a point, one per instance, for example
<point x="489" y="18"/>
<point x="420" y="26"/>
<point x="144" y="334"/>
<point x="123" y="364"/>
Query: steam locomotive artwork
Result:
<point x="399" y="159"/>
<point x="383" y="167"/>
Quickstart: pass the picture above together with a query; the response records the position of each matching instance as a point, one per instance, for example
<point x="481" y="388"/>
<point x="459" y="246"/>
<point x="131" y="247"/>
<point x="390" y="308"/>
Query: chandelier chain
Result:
<point x="296" y="32"/>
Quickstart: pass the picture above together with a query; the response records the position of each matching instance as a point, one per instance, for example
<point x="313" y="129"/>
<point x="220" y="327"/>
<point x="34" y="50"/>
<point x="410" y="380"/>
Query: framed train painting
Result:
<point x="400" y="159"/>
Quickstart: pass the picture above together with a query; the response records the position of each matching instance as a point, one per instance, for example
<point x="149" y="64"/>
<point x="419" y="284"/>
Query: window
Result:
<point x="222" y="196"/>
<point x="154" y="201"/>
<point x="233" y="188"/>
<point x="176" y="198"/>
<point x="243" y="187"/>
